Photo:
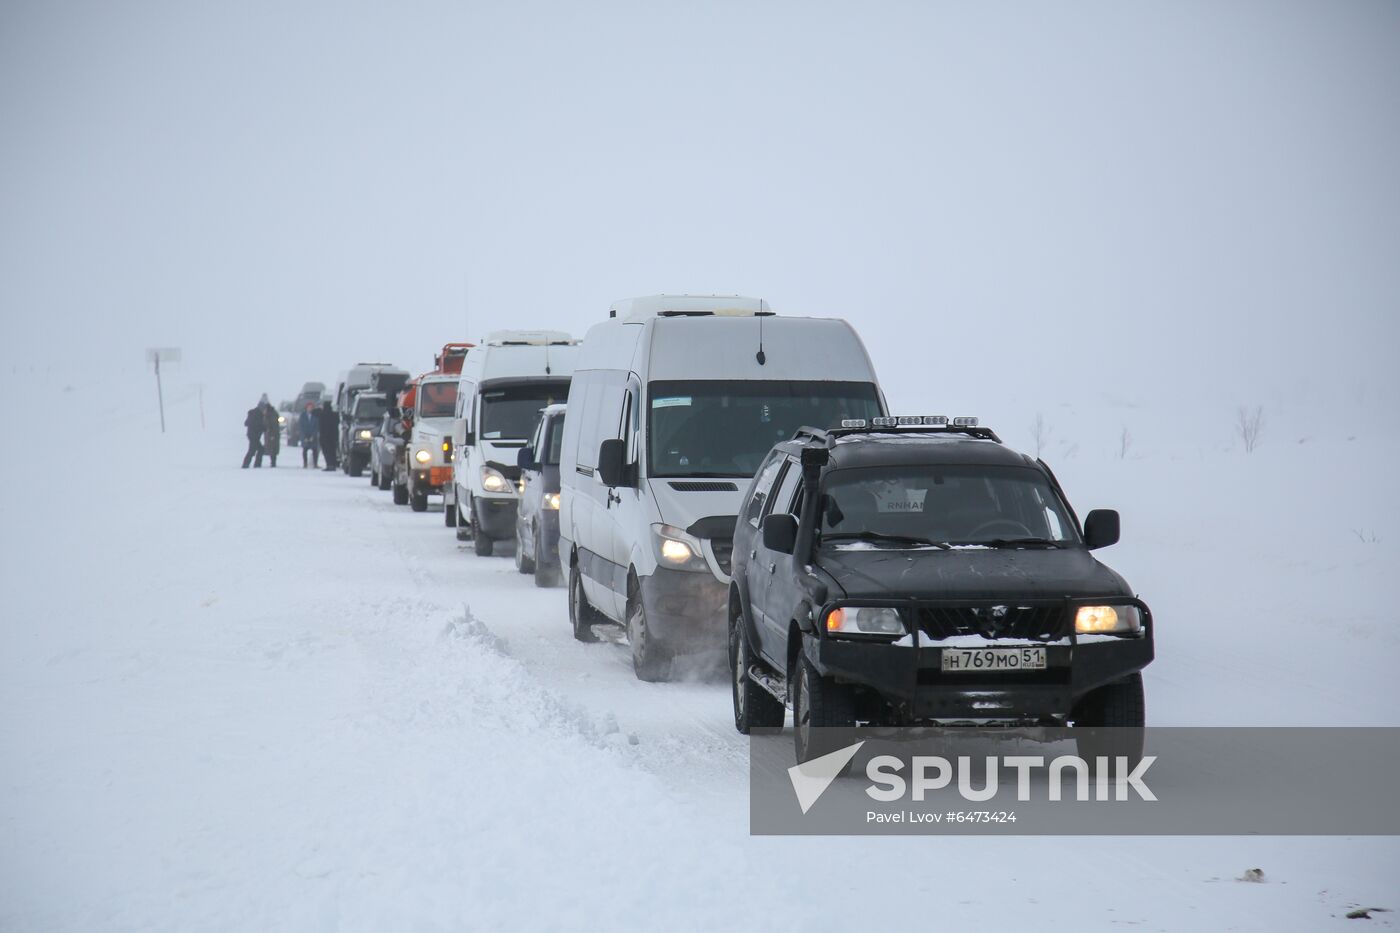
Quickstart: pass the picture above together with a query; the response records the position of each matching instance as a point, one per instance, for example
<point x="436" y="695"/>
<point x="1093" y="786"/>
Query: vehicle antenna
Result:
<point x="547" y="370"/>
<point x="760" y="355"/>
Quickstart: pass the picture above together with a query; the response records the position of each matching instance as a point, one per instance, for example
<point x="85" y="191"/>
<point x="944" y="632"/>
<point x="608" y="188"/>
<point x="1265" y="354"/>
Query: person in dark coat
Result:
<point x="328" y="424"/>
<point x="272" y="431"/>
<point x="310" y="435"/>
<point x="254" y="424"/>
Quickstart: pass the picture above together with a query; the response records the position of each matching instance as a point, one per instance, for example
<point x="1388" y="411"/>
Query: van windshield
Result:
<point x="512" y="412"/>
<point x="727" y="427"/>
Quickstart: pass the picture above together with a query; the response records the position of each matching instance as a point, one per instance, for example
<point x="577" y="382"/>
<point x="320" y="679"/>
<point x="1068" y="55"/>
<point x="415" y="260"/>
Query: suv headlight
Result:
<point x="366" y="434"/>
<point x="864" y="620"/>
<point x="551" y="501"/>
<point x="677" y="550"/>
<point x="422" y="456"/>
<point x="492" y="480"/>
<point x="1108" y="620"/>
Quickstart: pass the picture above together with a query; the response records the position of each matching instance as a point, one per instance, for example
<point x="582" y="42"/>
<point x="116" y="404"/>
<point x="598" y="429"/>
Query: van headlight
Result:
<point x="422" y="456"/>
<point x="1107" y="620"/>
<point x="492" y="480"/>
<point x="366" y="434"/>
<point x="864" y="620"/>
<point x="677" y="550"/>
<point x="551" y="501"/>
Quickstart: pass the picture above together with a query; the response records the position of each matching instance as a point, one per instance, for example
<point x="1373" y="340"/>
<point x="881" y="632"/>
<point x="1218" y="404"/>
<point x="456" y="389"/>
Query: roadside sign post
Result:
<point x="154" y="356"/>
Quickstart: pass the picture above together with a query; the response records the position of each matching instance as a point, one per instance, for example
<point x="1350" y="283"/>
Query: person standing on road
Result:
<point x="310" y="435"/>
<point x="254" y="424"/>
<point x="328" y="424"/>
<point x="272" y="430"/>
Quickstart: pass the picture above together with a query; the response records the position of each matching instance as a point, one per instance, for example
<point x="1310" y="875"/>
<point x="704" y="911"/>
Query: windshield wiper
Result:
<point x="1022" y="542"/>
<point x="877" y="536"/>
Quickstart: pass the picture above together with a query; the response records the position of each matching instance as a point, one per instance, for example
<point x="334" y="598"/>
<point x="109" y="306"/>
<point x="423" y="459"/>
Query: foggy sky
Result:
<point x="1010" y="201"/>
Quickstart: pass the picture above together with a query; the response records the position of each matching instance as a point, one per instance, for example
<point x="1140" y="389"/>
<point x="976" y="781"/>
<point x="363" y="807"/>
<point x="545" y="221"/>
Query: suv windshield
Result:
<point x="511" y="413"/>
<point x="899" y="506"/>
<point x="370" y="409"/>
<point x="727" y="427"/>
<point x="437" y="399"/>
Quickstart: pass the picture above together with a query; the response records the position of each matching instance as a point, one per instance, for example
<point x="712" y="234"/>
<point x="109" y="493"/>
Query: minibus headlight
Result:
<point x="677" y="550"/>
<point x="492" y="480"/>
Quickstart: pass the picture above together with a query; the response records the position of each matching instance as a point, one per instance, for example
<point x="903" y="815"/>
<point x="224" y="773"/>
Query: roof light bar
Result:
<point x="965" y="422"/>
<point x="852" y="422"/>
<point x="884" y="422"/>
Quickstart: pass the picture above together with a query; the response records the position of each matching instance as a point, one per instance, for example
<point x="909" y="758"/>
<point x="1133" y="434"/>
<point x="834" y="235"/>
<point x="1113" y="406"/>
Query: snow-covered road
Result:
<point x="273" y="700"/>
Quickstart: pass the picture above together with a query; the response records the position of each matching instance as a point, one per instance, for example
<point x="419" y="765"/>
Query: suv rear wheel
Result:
<point x="819" y="703"/>
<point x="400" y="494"/>
<point x="753" y="706"/>
<point x="449" y="514"/>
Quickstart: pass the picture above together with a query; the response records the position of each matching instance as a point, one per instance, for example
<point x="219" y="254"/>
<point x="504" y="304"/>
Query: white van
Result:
<point x="675" y="403"/>
<point x="505" y="381"/>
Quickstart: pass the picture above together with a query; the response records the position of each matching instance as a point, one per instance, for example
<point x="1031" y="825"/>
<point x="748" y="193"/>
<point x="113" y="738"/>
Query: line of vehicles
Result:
<point x="710" y="476"/>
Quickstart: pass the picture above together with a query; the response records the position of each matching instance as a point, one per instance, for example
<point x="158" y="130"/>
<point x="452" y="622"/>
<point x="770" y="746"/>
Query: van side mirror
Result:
<point x="612" y="462"/>
<point x="1101" y="528"/>
<point x="468" y="439"/>
<point x="780" y="532"/>
<point x="525" y="459"/>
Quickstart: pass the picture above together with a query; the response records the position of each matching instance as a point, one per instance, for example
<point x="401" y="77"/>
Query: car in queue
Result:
<point x="914" y="571"/>
<point x="363" y="423"/>
<point x="424" y="467"/>
<point x="505" y="381"/>
<point x="537" y="519"/>
<point x="675" y="402"/>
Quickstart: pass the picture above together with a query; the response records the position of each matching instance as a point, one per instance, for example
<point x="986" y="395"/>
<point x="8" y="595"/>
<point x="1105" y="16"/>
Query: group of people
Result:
<point x="319" y="430"/>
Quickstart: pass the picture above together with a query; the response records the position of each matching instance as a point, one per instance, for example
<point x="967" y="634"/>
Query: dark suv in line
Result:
<point x="910" y="571"/>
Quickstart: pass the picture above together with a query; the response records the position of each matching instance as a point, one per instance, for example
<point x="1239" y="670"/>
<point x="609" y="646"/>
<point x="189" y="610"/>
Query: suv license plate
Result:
<point x="993" y="659"/>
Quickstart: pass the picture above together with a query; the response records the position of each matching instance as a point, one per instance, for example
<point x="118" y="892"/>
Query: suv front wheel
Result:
<point x="819" y="704"/>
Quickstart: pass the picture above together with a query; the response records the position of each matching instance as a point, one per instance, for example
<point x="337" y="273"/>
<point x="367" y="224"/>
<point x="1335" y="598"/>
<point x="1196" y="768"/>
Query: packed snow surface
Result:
<point x="270" y="699"/>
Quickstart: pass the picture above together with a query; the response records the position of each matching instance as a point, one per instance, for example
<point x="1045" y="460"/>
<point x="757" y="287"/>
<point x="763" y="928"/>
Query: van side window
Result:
<point x="762" y="485"/>
<point x="586" y="456"/>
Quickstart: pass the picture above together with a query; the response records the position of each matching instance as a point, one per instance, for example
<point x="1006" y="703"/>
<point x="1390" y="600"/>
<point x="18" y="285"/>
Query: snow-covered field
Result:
<point x="273" y="700"/>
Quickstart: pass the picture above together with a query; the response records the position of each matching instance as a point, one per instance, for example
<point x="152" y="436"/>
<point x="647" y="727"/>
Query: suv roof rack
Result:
<point x="828" y="436"/>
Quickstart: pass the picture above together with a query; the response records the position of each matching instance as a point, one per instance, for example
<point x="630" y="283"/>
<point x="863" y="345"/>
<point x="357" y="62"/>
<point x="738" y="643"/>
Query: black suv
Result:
<point x="912" y="571"/>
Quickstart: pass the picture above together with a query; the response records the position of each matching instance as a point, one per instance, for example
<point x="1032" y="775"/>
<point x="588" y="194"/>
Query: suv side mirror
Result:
<point x="525" y="459"/>
<point x="780" y="532"/>
<point x="612" y="462"/>
<point x="1101" y="528"/>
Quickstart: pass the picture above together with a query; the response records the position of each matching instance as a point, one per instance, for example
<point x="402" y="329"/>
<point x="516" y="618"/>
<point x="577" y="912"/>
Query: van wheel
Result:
<point x="546" y="572"/>
<point x="400" y="494"/>
<point x="818" y="704"/>
<point x="386" y="481"/>
<point x="482" y="544"/>
<point x="650" y="660"/>
<point x="582" y="616"/>
<point x="1113" y="717"/>
<point x="373" y="475"/>
<point x="417" y="501"/>
<point x="449" y="514"/>
<point x="464" y="528"/>
<point x="753" y="706"/>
